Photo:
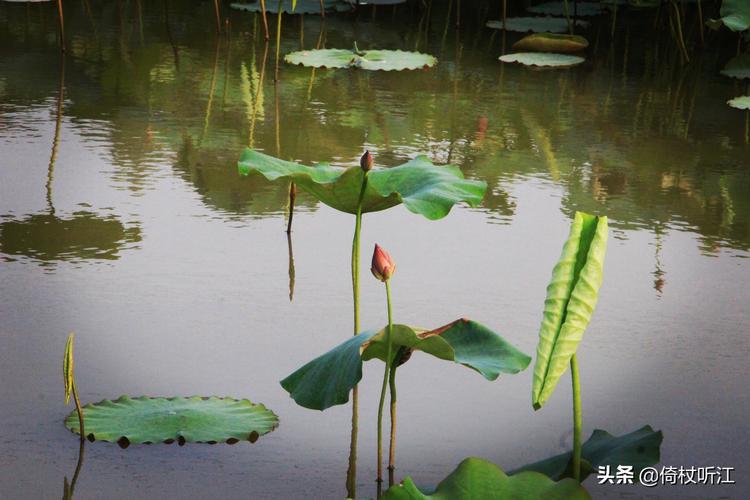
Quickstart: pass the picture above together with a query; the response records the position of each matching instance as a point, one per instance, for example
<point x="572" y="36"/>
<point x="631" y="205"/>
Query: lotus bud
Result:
<point x="366" y="161"/>
<point x="383" y="266"/>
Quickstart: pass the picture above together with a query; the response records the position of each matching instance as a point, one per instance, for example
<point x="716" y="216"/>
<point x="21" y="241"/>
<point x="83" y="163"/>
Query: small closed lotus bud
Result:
<point x="366" y="161"/>
<point x="383" y="266"/>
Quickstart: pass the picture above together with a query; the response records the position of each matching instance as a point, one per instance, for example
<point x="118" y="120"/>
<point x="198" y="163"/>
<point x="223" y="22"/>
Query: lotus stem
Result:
<point x="505" y="12"/>
<point x="61" y="22"/>
<point x="577" y="420"/>
<point x="218" y="16"/>
<point x="79" y="409"/>
<point x="392" y="448"/>
<point x="291" y="266"/>
<point x="351" y="474"/>
<point x="700" y="22"/>
<point x="265" y="20"/>
<point x="279" y="16"/>
<point x="567" y="16"/>
<point x="322" y="10"/>
<point x="386" y="374"/>
<point x="680" y="37"/>
<point x="292" y="197"/>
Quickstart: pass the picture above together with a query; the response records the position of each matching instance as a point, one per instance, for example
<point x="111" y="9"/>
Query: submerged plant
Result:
<point x="422" y="187"/>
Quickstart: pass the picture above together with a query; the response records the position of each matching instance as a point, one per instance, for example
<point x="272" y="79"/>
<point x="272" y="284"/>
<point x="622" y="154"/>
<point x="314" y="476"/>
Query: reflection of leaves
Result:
<point x="186" y="420"/>
<point x="640" y="449"/>
<point x="475" y="478"/>
<point x="84" y="236"/>
<point x="738" y="67"/>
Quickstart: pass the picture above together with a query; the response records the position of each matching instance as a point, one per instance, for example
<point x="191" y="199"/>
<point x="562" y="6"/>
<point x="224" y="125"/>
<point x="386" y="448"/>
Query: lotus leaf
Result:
<point x="738" y="67"/>
<point x="542" y="59"/>
<point x="639" y="448"/>
<point x="475" y="478"/>
<point x="422" y="187"/>
<point x="551" y="42"/>
<point x="535" y="24"/>
<point x="373" y="60"/>
<point x="183" y="419"/>
<point x="583" y="9"/>
<point x="740" y="102"/>
<point x="572" y="295"/>
<point x="735" y="14"/>
<point x="327" y="380"/>
<point x="68" y="368"/>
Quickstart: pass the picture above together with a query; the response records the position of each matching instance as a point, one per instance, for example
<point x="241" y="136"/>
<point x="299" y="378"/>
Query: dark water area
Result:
<point x="123" y="218"/>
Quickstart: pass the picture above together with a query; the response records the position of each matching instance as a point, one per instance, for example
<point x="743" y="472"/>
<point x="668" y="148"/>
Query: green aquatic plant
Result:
<point x="742" y="102"/>
<point x="542" y="59"/>
<point x="735" y="15"/>
<point x="571" y="299"/>
<point x="475" y="478"/>
<point x="738" y="67"/>
<point x="422" y="187"/>
<point x="70" y="381"/>
<point x="193" y="419"/>
<point x="373" y="60"/>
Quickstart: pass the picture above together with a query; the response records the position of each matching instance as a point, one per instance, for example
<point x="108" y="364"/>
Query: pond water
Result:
<point x="123" y="218"/>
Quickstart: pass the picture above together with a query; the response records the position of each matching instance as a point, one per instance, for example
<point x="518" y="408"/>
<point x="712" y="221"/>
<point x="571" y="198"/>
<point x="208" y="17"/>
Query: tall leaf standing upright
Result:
<point x="572" y="295"/>
<point x="70" y="382"/>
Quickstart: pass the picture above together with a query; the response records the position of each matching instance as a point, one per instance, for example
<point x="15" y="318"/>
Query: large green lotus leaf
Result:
<point x="583" y="9"/>
<point x="327" y="380"/>
<point x="374" y="60"/>
<point x="639" y="448"/>
<point x="475" y="479"/>
<point x="542" y="59"/>
<point x="735" y="14"/>
<point x="571" y="298"/>
<point x="535" y="24"/>
<point x="424" y="188"/>
<point x="738" y="67"/>
<point x="183" y="419"/>
<point x="302" y="6"/>
<point x="551" y="42"/>
<point x="742" y="102"/>
<point x="463" y="341"/>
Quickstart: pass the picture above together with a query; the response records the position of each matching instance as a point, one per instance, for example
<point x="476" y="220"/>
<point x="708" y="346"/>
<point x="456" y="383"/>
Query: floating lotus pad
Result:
<point x="374" y="60"/>
<point x="535" y="24"/>
<point x="542" y="59"/>
<point x="302" y="7"/>
<point x="738" y="67"/>
<point x="740" y="102"/>
<point x="475" y="478"/>
<point x="327" y="380"/>
<point x="183" y="419"/>
<point x="551" y="42"/>
<point x="640" y="449"/>
<point x="583" y="9"/>
<point x="423" y="188"/>
<point x="735" y="14"/>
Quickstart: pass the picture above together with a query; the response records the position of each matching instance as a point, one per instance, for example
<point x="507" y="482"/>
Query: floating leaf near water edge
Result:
<point x="372" y="60"/>
<point x="542" y="59"/>
<point x="742" y="102"/>
<point x="551" y="42"/>
<point x="196" y="419"/>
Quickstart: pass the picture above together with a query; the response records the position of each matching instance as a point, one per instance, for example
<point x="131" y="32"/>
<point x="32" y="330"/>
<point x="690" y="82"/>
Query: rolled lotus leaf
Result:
<point x="738" y="67"/>
<point x="572" y="295"/>
<point x="582" y="9"/>
<point x="475" y="479"/>
<point x="539" y="24"/>
<point x="742" y="102"/>
<point x="68" y="367"/>
<point x="422" y="187"/>
<point x="542" y="59"/>
<point x="327" y="380"/>
<point x="551" y="42"/>
<point x="640" y="449"/>
<point x="146" y="420"/>
<point x="372" y="60"/>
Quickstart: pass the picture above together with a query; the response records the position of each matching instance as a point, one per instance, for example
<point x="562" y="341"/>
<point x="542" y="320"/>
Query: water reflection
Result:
<point x="69" y="488"/>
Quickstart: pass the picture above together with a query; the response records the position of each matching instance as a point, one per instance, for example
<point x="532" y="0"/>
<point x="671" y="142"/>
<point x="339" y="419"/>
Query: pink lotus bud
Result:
<point x="366" y="161"/>
<point x="383" y="266"/>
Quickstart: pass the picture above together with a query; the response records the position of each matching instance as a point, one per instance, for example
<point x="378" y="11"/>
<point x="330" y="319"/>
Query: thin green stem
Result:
<point x="79" y="409"/>
<point x="392" y="448"/>
<point x="577" y="420"/>
<point x="351" y="473"/>
<point x="385" y="382"/>
<point x="278" y="40"/>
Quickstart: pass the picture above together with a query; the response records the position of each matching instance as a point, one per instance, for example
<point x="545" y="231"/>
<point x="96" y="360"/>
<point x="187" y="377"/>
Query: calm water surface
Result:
<point x="123" y="218"/>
